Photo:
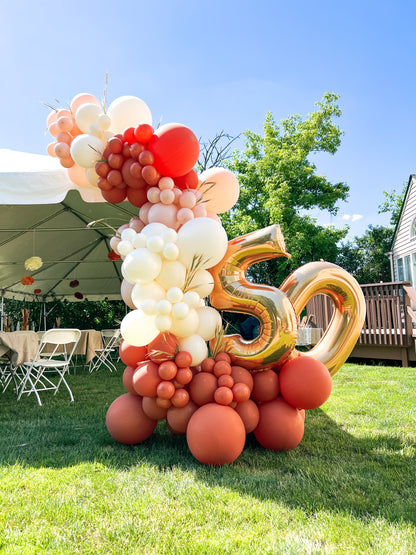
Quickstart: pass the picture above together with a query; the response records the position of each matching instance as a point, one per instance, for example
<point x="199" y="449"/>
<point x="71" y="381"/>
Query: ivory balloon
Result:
<point x="209" y="322"/>
<point x="187" y="326"/>
<point x="172" y="274"/>
<point x="202" y="241"/>
<point x="128" y="111"/>
<point x="145" y="291"/>
<point x="87" y="114"/>
<point x="86" y="150"/>
<point x="141" y="266"/>
<point x="220" y="189"/>
<point x="138" y="328"/>
<point x="196" y="347"/>
<point x="202" y="283"/>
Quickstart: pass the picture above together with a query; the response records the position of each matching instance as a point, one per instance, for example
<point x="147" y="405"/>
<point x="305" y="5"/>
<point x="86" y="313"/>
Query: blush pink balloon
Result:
<point x="54" y="129"/>
<point x="80" y="99"/>
<point x="144" y="212"/>
<point x="213" y="216"/>
<point x="78" y="176"/>
<point x="221" y="189"/>
<point x="184" y="215"/>
<point x="164" y="214"/>
<point x="136" y="224"/>
<point x="52" y="117"/>
<point x="114" y="241"/>
<point x="200" y="211"/>
<point x="122" y="228"/>
<point x="126" y="289"/>
<point x="51" y="149"/>
<point x="167" y="196"/>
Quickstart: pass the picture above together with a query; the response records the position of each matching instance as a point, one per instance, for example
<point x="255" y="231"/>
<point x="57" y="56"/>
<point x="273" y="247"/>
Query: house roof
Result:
<point x="406" y="196"/>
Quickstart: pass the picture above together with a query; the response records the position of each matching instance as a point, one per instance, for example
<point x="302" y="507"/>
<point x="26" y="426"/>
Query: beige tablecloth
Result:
<point x="20" y="346"/>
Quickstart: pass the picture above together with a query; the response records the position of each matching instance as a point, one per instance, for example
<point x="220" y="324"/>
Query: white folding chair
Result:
<point x="103" y="356"/>
<point x="10" y="372"/>
<point x="47" y="370"/>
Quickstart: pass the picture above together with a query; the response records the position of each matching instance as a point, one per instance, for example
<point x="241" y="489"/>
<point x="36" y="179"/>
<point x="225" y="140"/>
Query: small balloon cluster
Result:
<point x="169" y="253"/>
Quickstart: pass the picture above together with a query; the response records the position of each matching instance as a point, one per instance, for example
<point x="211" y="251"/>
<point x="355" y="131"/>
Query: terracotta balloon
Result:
<point x="202" y="388"/>
<point x="146" y="379"/>
<point x="280" y="426"/>
<point x="232" y="292"/>
<point x="242" y="375"/>
<point x="216" y="435"/>
<point x="305" y="382"/>
<point x="131" y="355"/>
<point x="126" y="421"/>
<point x="164" y="347"/>
<point x="265" y="386"/>
<point x="152" y="409"/>
<point x="349" y="309"/>
<point x="128" y="379"/>
<point x="178" y="418"/>
<point x="175" y="148"/>
<point x="249" y="413"/>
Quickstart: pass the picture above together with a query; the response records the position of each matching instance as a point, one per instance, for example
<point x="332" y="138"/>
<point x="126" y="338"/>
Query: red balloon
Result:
<point x="137" y="197"/>
<point x="131" y="355"/>
<point x="187" y="181"/>
<point x="265" y="386"/>
<point x="128" y="379"/>
<point x="126" y="421"/>
<point x="143" y="133"/>
<point x="146" y="379"/>
<point x="129" y="136"/>
<point x="175" y="148"/>
<point x="114" y="196"/>
<point x="216" y="435"/>
<point x="280" y="426"/>
<point x="249" y="414"/>
<point x="305" y="382"/>
<point x="178" y="418"/>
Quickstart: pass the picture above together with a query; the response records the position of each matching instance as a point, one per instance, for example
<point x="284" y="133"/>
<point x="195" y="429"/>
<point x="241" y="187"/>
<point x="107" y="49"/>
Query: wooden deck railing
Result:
<point x="388" y="319"/>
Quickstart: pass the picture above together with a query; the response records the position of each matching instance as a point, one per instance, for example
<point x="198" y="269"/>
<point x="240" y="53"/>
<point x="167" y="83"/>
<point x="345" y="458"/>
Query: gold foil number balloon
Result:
<point x="349" y="309"/>
<point x="233" y="293"/>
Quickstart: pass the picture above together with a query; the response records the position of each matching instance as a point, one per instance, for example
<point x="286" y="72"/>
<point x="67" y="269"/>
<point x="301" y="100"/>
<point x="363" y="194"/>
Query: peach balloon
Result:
<point x="163" y="213"/>
<point x="52" y="117"/>
<point x="78" y="176"/>
<point x="220" y="189"/>
<point x="82" y="98"/>
<point x="51" y="149"/>
<point x="144" y="212"/>
<point x="136" y="224"/>
<point x="54" y="129"/>
<point x="213" y="216"/>
<point x="126" y="289"/>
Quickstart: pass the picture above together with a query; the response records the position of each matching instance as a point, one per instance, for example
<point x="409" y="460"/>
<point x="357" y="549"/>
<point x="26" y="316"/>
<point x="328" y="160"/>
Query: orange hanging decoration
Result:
<point x="27" y="280"/>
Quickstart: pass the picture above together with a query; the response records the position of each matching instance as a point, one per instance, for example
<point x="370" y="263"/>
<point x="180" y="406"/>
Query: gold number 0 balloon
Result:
<point x="232" y="292"/>
<point x="349" y="309"/>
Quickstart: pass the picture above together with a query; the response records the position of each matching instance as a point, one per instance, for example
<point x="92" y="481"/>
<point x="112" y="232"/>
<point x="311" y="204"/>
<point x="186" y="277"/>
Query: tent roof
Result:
<point x="42" y="213"/>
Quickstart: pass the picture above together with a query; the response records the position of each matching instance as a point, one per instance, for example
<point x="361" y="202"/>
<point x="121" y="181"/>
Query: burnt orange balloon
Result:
<point x="223" y="395"/>
<point x="202" y="388"/>
<point x="347" y="321"/>
<point x="248" y="411"/>
<point x="216" y="435"/>
<point x="178" y="418"/>
<point x="305" y="382"/>
<point x="146" y="379"/>
<point x="152" y="409"/>
<point x="280" y="426"/>
<point x="127" y="422"/>
<point x="180" y="398"/>
<point x="232" y="292"/>
<point x="241" y="392"/>
<point x="240" y="374"/>
<point x="163" y="347"/>
<point x="128" y="379"/>
<point x="265" y="386"/>
<point x="131" y="355"/>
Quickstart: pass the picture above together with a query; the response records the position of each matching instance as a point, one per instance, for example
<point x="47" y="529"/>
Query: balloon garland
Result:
<point x="175" y="253"/>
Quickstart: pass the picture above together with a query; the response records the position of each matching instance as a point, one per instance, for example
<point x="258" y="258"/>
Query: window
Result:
<point x="400" y="271"/>
<point x="407" y="269"/>
<point x="413" y="228"/>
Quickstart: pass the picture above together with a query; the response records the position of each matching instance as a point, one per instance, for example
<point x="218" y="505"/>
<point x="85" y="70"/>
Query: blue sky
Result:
<point x="222" y="65"/>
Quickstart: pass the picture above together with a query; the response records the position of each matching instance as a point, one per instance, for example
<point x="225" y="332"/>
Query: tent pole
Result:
<point x="2" y="311"/>
<point x="44" y="316"/>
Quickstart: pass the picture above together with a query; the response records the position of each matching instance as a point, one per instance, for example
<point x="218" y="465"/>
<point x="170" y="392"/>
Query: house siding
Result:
<point x="405" y="245"/>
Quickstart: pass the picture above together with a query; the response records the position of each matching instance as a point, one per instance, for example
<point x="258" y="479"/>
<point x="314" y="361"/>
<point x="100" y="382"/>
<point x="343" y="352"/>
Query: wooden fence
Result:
<point x="387" y="332"/>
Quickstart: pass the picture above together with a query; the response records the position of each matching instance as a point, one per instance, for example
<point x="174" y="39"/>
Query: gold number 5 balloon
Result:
<point x="232" y="292"/>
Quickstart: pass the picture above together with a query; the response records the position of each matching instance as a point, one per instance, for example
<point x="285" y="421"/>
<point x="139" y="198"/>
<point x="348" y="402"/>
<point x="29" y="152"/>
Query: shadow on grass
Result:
<point x="330" y="470"/>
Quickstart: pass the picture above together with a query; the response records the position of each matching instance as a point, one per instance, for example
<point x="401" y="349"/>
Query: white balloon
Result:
<point x="174" y="295"/>
<point x="155" y="243"/>
<point x="209" y="322"/>
<point x="153" y="229"/>
<point x="192" y="299"/>
<point x="149" y="307"/>
<point x="141" y="292"/>
<point x="86" y="115"/>
<point x="187" y="326"/>
<point x="128" y="235"/>
<point x="138" y="329"/>
<point x="139" y="241"/>
<point x="86" y="150"/>
<point x="196" y="347"/>
<point x="104" y="121"/>
<point x="169" y="235"/>
<point x="172" y="274"/>
<point x="92" y="176"/>
<point x="202" y="240"/>
<point x="124" y="247"/>
<point x="170" y="251"/>
<point x="163" y="323"/>
<point x="164" y="307"/>
<point x="128" y="111"/>
<point x="202" y="283"/>
<point x="141" y="266"/>
<point x="180" y="310"/>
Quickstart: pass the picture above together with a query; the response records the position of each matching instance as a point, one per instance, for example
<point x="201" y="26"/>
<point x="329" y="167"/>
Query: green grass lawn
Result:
<point x="350" y="487"/>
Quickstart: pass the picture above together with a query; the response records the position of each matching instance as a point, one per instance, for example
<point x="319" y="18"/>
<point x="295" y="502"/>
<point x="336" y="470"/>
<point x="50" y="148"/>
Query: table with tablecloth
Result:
<point x="88" y="343"/>
<point x="19" y="346"/>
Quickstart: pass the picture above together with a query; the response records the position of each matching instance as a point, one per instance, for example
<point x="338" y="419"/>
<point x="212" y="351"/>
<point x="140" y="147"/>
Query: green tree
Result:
<point x="279" y="184"/>
<point x="365" y="257"/>
<point x="393" y="204"/>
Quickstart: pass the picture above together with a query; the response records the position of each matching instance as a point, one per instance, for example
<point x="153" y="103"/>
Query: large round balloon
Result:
<point x="86" y="150"/>
<point x="280" y="427"/>
<point x="220" y="189"/>
<point x="216" y="435"/>
<point x="131" y="355"/>
<point x="128" y="111"/>
<point x="202" y="243"/>
<point x="305" y="382"/>
<point x="175" y="148"/>
<point x="138" y="329"/>
<point x="126" y="421"/>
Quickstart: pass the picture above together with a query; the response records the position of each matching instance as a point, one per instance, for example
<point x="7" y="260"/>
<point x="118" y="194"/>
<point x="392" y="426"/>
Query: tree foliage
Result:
<point x="279" y="184"/>
<point x="393" y="204"/>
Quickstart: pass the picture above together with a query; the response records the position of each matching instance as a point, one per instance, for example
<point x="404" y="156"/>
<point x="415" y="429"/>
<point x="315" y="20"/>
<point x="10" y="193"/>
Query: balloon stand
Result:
<point x="181" y="366"/>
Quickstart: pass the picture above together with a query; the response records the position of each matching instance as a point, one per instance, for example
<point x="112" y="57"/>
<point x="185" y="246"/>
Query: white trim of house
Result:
<point x="403" y="251"/>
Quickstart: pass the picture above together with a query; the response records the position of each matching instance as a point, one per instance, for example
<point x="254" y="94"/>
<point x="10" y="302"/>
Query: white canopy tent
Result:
<point x="42" y="213"/>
